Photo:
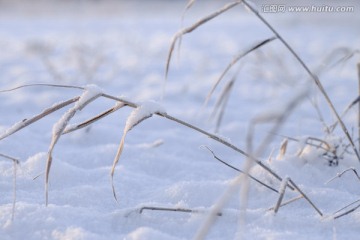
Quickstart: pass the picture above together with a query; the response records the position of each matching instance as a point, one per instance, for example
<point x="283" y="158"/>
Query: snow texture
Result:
<point x="145" y="110"/>
<point x="121" y="47"/>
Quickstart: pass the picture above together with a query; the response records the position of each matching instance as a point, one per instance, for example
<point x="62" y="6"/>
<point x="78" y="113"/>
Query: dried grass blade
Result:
<point x="288" y="202"/>
<point x="222" y="102"/>
<point x="347" y="212"/>
<point x="339" y="175"/>
<point x="20" y="125"/>
<point x="15" y="162"/>
<point x="234" y="61"/>
<point x="283" y="148"/>
<point x="282" y="189"/>
<point x="41" y="85"/>
<point x="138" y="115"/>
<point x="306" y="197"/>
<point x="60" y="126"/>
<point x="189" y="4"/>
<point x="346" y="206"/>
<point x="238" y="170"/>
<point x="184" y="31"/>
<point x="120" y="150"/>
<point x="86" y="123"/>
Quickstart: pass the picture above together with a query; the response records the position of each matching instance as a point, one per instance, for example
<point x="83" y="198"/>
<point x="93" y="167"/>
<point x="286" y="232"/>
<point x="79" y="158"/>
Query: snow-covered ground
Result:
<point x="122" y="47"/>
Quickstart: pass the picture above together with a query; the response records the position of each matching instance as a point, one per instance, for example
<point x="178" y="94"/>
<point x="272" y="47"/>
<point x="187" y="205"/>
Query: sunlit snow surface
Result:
<point x="122" y="48"/>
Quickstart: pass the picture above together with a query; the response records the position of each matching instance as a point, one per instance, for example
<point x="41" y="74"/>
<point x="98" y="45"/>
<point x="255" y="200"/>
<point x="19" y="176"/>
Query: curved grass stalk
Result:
<point x="187" y="30"/>
<point x="311" y="74"/>
<point x="26" y="122"/>
<point x="59" y="127"/>
<point x="235" y="59"/>
<point x="15" y="162"/>
<point x="238" y="170"/>
<point x="88" y="122"/>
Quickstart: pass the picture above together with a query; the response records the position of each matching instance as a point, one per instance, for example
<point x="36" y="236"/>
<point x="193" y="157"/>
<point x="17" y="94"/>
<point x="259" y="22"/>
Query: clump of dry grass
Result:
<point x="137" y="116"/>
<point x="278" y="119"/>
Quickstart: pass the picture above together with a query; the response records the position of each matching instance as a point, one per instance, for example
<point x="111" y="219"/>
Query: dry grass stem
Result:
<point x="15" y="163"/>
<point x="238" y="170"/>
<point x="347" y="212"/>
<point x="135" y="118"/>
<point x="282" y="189"/>
<point x="58" y="130"/>
<point x="186" y="210"/>
<point x="235" y="59"/>
<point x="311" y="74"/>
<point x="90" y="121"/>
<point x="287" y="202"/>
<point x="220" y="105"/>
<point x="339" y="175"/>
<point x="283" y="148"/>
<point x="187" y="30"/>
<point x="26" y="122"/>
<point x="306" y="197"/>
<point x="336" y="215"/>
<point x="41" y="85"/>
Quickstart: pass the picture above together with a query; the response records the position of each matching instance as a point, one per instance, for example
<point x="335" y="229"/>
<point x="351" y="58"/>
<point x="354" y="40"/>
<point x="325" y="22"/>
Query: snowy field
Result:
<point x="121" y="47"/>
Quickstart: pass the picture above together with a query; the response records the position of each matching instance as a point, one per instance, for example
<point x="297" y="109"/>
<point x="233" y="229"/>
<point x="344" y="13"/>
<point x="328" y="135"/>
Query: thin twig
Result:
<point x="235" y="59"/>
<point x="93" y="119"/>
<point x="221" y="103"/>
<point x="37" y="117"/>
<point x="338" y="175"/>
<point x="187" y="210"/>
<point x="184" y="31"/>
<point x="238" y="170"/>
<point x="15" y="162"/>
<point x="282" y="193"/>
<point x="306" y="197"/>
<point x="287" y="202"/>
<point x="43" y="85"/>
<point x="347" y="212"/>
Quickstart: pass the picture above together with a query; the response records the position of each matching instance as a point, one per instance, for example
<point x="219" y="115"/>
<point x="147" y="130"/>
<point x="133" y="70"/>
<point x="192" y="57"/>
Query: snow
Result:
<point x="12" y="129"/>
<point x="143" y="111"/>
<point x="90" y="93"/>
<point x="120" y="48"/>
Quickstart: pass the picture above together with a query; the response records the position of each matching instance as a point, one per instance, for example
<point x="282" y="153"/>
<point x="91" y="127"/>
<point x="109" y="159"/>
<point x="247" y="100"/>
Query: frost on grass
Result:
<point x="12" y="129"/>
<point x="139" y="114"/>
<point x="90" y="94"/>
<point x="145" y="110"/>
